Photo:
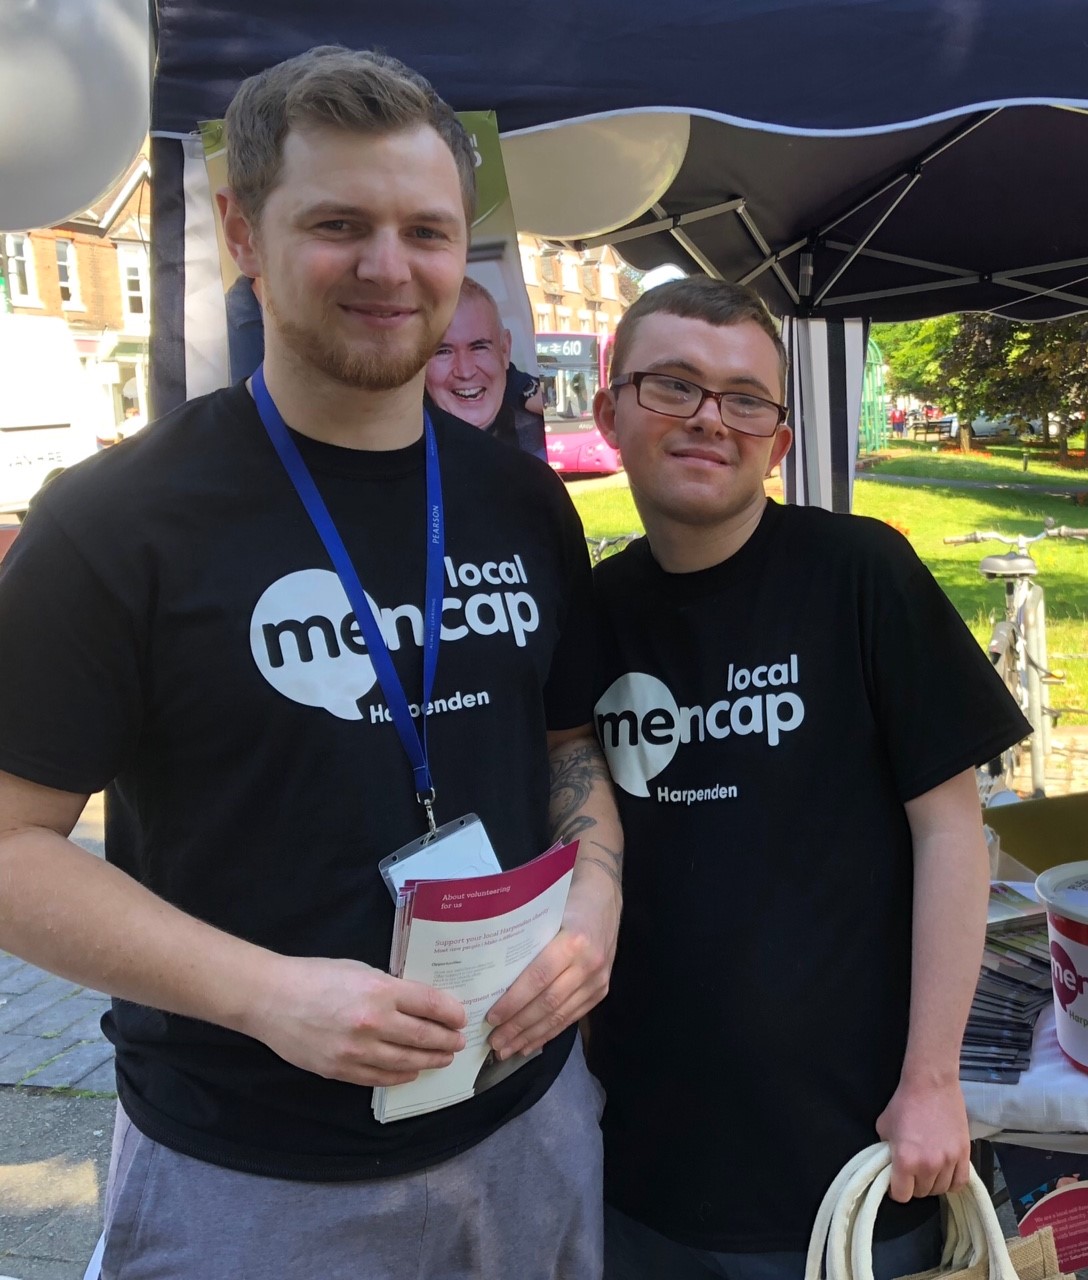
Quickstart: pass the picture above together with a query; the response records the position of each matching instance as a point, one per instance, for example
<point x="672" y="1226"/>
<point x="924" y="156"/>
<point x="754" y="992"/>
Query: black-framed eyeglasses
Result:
<point x="678" y="398"/>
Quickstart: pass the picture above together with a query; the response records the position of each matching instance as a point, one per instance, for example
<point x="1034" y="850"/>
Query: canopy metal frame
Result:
<point x="943" y="275"/>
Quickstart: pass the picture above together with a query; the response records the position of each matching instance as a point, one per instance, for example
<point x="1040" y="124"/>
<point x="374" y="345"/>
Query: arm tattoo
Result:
<point x="574" y="770"/>
<point x="611" y="865"/>
<point x="574" y="773"/>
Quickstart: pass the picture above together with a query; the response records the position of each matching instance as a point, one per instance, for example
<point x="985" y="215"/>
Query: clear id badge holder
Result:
<point x="456" y="850"/>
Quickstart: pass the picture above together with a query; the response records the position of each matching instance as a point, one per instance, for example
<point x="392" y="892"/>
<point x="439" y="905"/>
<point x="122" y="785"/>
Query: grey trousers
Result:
<point x="524" y="1204"/>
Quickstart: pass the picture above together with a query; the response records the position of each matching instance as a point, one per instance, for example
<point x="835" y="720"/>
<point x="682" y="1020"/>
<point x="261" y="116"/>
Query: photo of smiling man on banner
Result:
<point x="471" y="375"/>
<point x="484" y="371"/>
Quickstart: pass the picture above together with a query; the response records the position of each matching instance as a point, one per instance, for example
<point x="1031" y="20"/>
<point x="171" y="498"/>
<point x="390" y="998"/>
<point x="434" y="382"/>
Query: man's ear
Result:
<point x="239" y="233"/>
<point x="506" y="345"/>
<point x="604" y="415"/>
<point x="783" y="438"/>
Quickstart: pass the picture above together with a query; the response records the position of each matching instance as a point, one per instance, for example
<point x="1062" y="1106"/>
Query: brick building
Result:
<point x="577" y="299"/>
<point x="572" y="292"/>
<point x="93" y="272"/>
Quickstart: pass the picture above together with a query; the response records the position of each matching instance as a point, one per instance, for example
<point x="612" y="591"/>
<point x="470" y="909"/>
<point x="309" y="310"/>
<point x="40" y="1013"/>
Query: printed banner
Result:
<point x="1049" y="1188"/>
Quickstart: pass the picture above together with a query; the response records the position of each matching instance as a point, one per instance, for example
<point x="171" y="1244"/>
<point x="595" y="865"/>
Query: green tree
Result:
<point x="1053" y="360"/>
<point x="1008" y="368"/>
<point x="980" y="363"/>
<point x="913" y="351"/>
<point x="976" y="369"/>
<point x="916" y="355"/>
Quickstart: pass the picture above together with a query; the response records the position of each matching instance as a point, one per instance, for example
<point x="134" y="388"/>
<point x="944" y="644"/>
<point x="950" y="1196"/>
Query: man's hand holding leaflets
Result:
<point x="472" y="936"/>
<point x="571" y="975"/>
<point x="347" y="1021"/>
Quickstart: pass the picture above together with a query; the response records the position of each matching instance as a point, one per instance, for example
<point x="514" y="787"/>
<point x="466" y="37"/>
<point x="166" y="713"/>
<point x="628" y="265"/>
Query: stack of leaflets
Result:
<point x="472" y="937"/>
<point x="1013" y="989"/>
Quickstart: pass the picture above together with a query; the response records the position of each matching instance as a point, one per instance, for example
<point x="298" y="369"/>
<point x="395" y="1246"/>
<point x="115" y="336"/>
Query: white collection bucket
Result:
<point x="1064" y="892"/>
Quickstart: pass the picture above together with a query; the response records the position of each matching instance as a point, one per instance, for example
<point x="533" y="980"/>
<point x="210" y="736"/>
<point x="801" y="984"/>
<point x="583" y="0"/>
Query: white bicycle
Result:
<point x="1017" y="649"/>
<point x="600" y="549"/>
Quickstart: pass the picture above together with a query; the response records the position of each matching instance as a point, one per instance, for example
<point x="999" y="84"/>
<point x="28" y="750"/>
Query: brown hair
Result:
<point x="350" y="89"/>
<point x="698" y="298"/>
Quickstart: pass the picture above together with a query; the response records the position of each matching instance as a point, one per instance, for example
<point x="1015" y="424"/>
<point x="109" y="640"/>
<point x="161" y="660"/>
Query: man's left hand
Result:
<point x="569" y="976"/>
<point x="926" y="1127"/>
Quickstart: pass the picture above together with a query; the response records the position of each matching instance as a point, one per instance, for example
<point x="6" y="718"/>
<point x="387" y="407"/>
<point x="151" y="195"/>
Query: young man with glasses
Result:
<point x="791" y="710"/>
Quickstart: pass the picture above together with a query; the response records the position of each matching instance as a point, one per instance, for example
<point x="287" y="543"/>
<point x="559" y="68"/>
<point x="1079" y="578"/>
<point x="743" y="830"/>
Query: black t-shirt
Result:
<point x="765" y="721"/>
<point x="513" y="425"/>
<point x="170" y="625"/>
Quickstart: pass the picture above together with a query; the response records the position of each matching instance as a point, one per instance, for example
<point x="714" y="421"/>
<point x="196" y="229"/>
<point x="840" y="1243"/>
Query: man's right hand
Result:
<point x="68" y="911"/>
<point x="346" y="1021"/>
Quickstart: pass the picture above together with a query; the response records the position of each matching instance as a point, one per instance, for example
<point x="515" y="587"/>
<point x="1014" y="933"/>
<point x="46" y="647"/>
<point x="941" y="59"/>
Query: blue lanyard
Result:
<point x="414" y="743"/>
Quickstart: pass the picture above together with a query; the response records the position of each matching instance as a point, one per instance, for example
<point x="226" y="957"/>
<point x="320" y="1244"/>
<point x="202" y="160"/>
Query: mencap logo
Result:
<point x="641" y="725"/>
<point x="308" y="646"/>
<point x="637" y="700"/>
<point x="1068" y="983"/>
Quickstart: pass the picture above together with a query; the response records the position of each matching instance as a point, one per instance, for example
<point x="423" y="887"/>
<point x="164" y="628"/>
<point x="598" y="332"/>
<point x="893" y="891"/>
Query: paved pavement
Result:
<point x="56" y="1113"/>
<point x="56" y="1151"/>
<point x="56" y="1077"/>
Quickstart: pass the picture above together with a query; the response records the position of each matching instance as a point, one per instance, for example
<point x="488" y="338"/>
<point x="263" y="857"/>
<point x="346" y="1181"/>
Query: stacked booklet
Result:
<point x="472" y="937"/>
<point x="1013" y="989"/>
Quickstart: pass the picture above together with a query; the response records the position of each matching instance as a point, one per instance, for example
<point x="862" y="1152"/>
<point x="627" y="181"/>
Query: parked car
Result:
<point x="578" y="448"/>
<point x="983" y="427"/>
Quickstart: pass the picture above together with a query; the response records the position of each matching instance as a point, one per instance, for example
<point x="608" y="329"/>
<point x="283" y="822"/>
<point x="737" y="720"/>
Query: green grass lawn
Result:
<point x="926" y="515"/>
<point x="990" y="464"/>
<point x="606" y="510"/>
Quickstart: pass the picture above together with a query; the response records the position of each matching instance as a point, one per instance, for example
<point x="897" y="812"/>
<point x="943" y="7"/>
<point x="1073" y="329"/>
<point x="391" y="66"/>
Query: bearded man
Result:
<point x="172" y="629"/>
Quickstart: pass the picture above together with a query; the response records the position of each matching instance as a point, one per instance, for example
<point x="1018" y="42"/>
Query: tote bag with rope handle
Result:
<point x="841" y="1246"/>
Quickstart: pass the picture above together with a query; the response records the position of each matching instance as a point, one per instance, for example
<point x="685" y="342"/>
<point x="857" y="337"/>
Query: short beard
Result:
<point x="374" y="370"/>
